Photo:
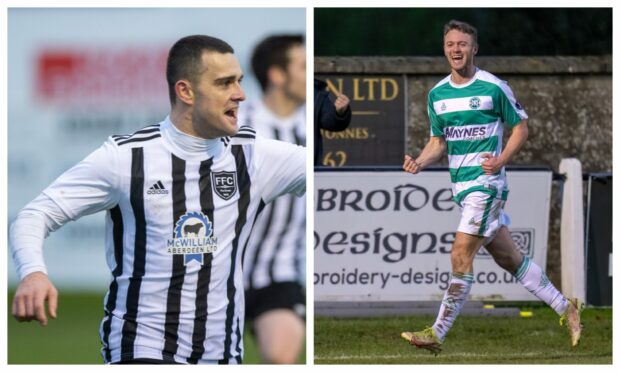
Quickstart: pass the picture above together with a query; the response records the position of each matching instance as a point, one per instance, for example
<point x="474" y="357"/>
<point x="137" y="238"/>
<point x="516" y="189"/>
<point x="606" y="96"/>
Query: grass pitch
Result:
<point x="472" y="340"/>
<point x="73" y="338"/>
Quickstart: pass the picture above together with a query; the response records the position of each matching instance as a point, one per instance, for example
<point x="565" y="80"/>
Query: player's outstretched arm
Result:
<point x="518" y="136"/>
<point x="90" y="186"/>
<point x="32" y="293"/>
<point x="432" y="153"/>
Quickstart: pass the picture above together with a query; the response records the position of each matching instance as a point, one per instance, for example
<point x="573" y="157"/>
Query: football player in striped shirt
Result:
<point x="275" y="298"/>
<point x="467" y="112"/>
<point x="181" y="197"/>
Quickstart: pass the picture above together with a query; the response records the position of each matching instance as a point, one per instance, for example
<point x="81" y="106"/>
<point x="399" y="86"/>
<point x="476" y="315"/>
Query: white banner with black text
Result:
<point x="387" y="235"/>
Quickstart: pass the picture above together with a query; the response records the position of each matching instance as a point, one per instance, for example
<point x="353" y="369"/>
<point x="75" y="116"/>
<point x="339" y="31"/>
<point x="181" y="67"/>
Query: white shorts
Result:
<point x="482" y="214"/>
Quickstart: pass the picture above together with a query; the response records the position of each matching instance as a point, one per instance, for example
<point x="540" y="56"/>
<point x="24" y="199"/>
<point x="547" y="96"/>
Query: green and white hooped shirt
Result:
<point x="470" y="117"/>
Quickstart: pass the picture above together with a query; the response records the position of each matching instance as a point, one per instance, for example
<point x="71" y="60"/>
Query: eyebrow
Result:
<point x="228" y="78"/>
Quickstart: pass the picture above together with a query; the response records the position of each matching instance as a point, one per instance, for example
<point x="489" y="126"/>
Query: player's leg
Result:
<point x="478" y="219"/>
<point x="504" y="251"/>
<point x="276" y="314"/>
<point x="528" y="273"/>
<point x="533" y="278"/>
<point x="280" y="336"/>
<point x="462" y="256"/>
<point x="463" y="251"/>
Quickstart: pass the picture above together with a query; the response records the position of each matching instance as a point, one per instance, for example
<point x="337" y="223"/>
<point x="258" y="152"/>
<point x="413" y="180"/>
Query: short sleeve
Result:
<point x="510" y="110"/>
<point x="280" y="168"/>
<point x="436" y="125"/>
<point x="90" y="186"/>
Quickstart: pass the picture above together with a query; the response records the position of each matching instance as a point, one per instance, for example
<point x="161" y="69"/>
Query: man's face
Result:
<point x="217" y="95"/>
<point x="295" y="83"/>
<point x="459" y="49"/>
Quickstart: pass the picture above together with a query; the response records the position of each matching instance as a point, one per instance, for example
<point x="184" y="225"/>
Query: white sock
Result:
<point x="534" y="280"/>
<point x="453" y="300"/>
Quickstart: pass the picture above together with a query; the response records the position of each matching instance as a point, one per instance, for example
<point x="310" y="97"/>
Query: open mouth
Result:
<point x="457" y="57"/>
<point x="232" y="113"/>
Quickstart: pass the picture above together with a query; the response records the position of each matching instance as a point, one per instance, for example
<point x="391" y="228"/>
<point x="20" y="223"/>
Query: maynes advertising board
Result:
<point x="387" y="236"/>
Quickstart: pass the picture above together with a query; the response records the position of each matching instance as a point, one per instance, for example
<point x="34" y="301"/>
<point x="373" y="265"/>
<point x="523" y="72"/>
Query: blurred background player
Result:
<point x="467" y="111"/>
<point x="332" y="116"/>
<point x="275" y="299"/>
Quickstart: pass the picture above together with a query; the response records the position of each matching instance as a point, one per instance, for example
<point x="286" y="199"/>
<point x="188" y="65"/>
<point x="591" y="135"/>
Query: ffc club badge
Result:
<point x="225" y="184"/>
<point x="192" y="237"/>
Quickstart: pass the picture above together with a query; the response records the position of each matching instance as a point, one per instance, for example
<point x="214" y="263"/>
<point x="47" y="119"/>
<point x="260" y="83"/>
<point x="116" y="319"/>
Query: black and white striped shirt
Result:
<point x="178" y="220"/>
<point x="276" y="250"/>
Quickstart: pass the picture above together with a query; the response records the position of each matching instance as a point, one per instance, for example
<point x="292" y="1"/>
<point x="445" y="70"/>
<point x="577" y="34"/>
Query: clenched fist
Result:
<point x="411" y="166"/>
<point x="341" y="103"/>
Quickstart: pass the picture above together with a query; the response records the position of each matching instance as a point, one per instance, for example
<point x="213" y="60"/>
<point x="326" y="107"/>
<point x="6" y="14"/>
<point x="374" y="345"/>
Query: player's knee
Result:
<point x="281" y="351"/>
<point x="460" y="260"/>
<point x="506" y="261"/>
<point x="280" y="334"/>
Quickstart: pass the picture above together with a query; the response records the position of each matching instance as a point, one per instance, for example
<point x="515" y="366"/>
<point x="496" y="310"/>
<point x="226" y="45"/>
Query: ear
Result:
<point x="276" y="76"/>
<point x="475" y="49"/>
<point x="184" y="91"/>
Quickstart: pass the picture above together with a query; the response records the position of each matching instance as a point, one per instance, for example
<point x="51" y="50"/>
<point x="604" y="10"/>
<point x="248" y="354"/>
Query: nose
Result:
<point x="238" y="94"/>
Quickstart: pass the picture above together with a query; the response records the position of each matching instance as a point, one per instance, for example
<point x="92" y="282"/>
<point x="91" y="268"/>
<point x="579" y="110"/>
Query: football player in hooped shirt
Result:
<point x="467" y="111"/>
<point x="181" y="197"/>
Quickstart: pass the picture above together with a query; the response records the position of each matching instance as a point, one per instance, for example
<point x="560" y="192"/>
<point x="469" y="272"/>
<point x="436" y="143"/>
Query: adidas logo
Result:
<point x="157" y="188"/>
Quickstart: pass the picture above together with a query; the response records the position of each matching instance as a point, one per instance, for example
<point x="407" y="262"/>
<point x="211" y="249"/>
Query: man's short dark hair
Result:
<point x="185" y="59"/>
<point x="464" y="27"/>
<point x="273" y="51"/>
